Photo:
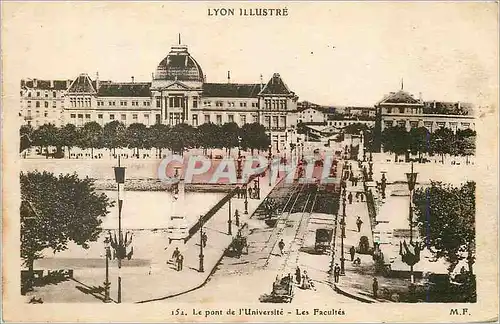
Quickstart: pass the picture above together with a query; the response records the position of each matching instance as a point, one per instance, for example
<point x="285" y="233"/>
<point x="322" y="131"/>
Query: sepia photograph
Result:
<point x="237" y="161"/>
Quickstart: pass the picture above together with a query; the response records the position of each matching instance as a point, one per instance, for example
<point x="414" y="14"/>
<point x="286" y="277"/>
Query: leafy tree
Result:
<point x="114" y="135"/>
<point x="91" y="137"/>
<point x="138" y="137"/>
<point x="419" y="141"/>
<point x="68" y="136"/>
<point x="181" y="136"/>
<point x="45" y="136"/>
<point x="57" y="210"/>
<point x="254" y="137"/>
<point x="465" y="143"/>
<point x="396" y="140"/>
<point x="445" y="216"/>
<point x="159" y="134"/>
<point x="442" y="142"/>
<point x="26" y="137"/>
<point x="209" y="136"/>
<point x="230" y="134"/>
<point x="355" y="128"/>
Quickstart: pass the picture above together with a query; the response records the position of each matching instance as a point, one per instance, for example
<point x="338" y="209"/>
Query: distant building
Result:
<point x="177" y="93"/>
<point x="402" y="109"/>
<point x="312" y="115"/>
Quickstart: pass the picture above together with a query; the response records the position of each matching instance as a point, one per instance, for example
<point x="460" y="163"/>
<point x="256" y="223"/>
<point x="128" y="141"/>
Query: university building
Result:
<point x="402" y="109"/>
<point x="177" y="93"/>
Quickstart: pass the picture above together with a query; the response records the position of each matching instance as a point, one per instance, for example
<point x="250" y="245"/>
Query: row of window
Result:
<point x="45" y="104"/>
<point x="427" y="124"/>
<point x="80" y="102"/>
<point x="274" y="122"/>
<point x="46" y="94"/>
<point x="230" y="104"/>
<point x="37" y="113"/>
<point x="134" y="103"/>
<point x="123" y="117"/>
<point x="401" y="110"/>
<point x="275" y="104"/>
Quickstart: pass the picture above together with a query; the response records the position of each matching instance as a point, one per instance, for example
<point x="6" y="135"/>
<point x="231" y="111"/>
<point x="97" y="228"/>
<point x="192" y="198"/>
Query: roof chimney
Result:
<point x="51" y="84"/>
<point x="133" y="79"/>
<point x="97" y="81"/>
<point x="261" y="83"/>
<point x="34" y="83"/>
<point x="152" y="75"/>
<point x="420" y="96"/>
<point x="228" y="76"/>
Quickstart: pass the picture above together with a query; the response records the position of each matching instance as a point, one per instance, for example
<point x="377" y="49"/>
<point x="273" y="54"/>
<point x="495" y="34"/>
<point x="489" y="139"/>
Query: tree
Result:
<point x="254" y="137"/>
<point x="45" y="136"/>
<point x="68" y="136"/>
<point x="159" y="134"/>
<point x="114" y="135"/>
<point x="57" y="210"/>
<point x="138" y="137"/>
<point x="230" y="134"/>
<point x="355" y="128"/>
<point x="181" y="136"/>
<point x="209" y="136"/>
<point x="91" y="137"/>
<point x="445" y="216"/>
<point x="465" y="143"/>
<point x="26" y="137"/>
<point x="396" y="140"/>
<point x="419" y="141"/>
<point x="442" y="142"/>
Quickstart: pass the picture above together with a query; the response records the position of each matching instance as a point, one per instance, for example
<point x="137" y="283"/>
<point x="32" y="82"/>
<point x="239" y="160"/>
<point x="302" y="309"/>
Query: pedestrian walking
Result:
<point x="175" y="254"/>
<point x="362" y="196"/>
<point x="250" y="192"/>
<point x="204" y="239"/>
<point x="281" y="245"/>
<point x="180" y="261"/>
<point x="359" y="222"/>
<point x="375" y="287"/>
<point x="349" y="197"/>
<point x="352" y="252"/>
<point x="336" y="273"/>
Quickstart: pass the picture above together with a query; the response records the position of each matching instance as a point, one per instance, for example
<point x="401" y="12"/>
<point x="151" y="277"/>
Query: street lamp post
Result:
<point x="246" y="197"/>
<point x="229" y="221"/>
<point x="342" y="226"/>
<point x="201" y="269"/>
<point x="107" y="284"/>
<point x="383" y="184"/>
<point x="238" y="173"/>
<point x="120" y="180"/>
<point x="412" y="179"/>
<point x="269" y="164"/>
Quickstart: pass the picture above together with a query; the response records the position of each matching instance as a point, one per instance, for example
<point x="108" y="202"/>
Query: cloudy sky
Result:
<point x="328" y="53"/>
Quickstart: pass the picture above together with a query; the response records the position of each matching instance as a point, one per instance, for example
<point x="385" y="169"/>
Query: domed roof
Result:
<point x="179" y="65"/>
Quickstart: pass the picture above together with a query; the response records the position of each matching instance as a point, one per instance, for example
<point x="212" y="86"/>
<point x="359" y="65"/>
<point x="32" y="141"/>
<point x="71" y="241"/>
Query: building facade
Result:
<point x="177" y="94"/>
<point x="402" y="109"/>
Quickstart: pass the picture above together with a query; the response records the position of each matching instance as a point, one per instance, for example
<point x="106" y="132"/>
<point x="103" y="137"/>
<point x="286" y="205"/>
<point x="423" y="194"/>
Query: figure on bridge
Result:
<point x="281" y="246"/>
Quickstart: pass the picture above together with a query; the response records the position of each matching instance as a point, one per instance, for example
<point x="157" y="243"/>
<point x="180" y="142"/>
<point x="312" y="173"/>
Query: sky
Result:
<point x="328" y="53"/>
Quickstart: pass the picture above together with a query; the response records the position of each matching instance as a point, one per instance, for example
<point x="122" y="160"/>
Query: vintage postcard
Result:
<point x="250" y="161"/>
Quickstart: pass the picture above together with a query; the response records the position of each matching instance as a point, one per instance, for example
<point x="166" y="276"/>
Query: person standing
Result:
<point x="352" y="252"/>
<point x="175" y="255"/>
<point x="281" y="246"/>
<point x="375" y="287"/>
<point x="250" y="192"/>
<point x="180" y="261"/>
<point x="359" y="222"/>
<point x="349" y="197"/>
<point x="336" y="273"/>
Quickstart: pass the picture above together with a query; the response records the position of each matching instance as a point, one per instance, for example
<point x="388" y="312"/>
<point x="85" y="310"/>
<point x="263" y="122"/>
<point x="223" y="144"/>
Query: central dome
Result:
<point x="179" y="65"/>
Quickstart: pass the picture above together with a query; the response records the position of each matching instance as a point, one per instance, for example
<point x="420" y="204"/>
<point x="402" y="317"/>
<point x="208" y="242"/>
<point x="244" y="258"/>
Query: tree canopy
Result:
<point x="57" y="210"/>
<point x="445" y="216"/>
